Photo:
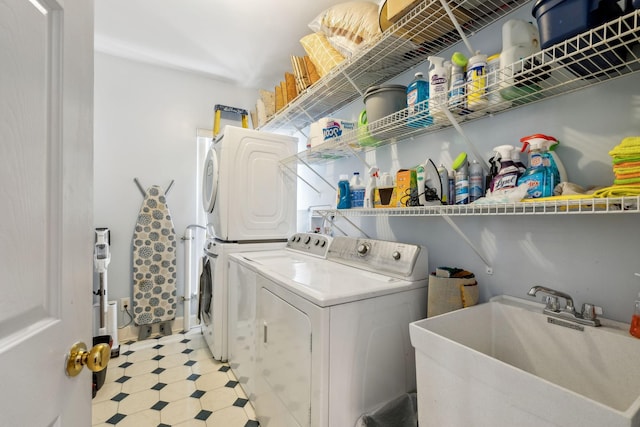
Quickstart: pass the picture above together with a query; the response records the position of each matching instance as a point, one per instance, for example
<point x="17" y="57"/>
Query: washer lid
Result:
<point x="210" y="180"/>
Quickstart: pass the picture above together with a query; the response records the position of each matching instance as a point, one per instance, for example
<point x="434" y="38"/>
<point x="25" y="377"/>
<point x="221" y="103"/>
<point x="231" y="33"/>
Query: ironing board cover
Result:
<point x="154" y="261"/>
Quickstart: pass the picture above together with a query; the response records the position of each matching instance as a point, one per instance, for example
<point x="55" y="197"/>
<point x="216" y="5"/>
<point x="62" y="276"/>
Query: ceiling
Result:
<point x="246" y="43"/>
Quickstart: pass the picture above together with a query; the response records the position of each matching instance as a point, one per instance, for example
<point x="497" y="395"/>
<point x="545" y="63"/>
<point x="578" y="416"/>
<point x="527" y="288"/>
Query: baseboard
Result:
<point x="130" y="333"/>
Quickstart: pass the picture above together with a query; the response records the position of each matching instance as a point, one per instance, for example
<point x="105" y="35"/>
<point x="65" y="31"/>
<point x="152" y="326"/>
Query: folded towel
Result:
<point x="628" y="175"/>
<point x="621" y="160"/>
<point x="626" y="181"/>
<point x="628" y="146"/>
<point x="618" y="191"/>
<point x="626" y="164"/>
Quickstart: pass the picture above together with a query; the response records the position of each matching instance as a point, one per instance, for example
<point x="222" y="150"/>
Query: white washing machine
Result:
<point x="246" y="193"/>
<point x="332" y="336"/>
<point x="214" y="290"/>
<point x="243" y="271"/>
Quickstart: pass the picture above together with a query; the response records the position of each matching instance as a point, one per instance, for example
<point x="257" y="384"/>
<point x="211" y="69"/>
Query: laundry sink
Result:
<point x="503" y="364"/>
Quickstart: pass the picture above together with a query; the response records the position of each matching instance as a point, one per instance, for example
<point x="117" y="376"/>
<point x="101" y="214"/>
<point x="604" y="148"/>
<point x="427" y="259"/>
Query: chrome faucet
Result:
<point x="589" y="311"/>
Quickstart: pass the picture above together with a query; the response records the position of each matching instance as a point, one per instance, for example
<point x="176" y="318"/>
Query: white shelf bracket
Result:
<point x="317" y="174"/>
<point x="453" y="19"/>
<point x="331" y="218"/>
<point x="457" y="229"/>
<point x="470" y="144"/>
<point x="356" y="155"/>
<point x="346" y="76"/>
<point x="300" y="178"/>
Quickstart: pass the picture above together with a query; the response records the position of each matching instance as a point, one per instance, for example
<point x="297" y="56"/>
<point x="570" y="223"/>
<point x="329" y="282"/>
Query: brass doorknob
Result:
<point x="96" y="359"/>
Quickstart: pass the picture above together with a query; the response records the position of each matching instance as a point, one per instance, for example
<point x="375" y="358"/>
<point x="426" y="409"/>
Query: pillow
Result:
<point x="321" y="53"/>
<point x="349" y="26"/>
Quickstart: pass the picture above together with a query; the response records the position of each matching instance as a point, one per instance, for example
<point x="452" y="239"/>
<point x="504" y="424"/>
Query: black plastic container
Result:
<point x="99" y="377"/>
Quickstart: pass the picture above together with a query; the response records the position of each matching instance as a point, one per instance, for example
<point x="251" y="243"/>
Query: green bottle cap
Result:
<point x="459" y="161"/>
<point x="459" y="59"/>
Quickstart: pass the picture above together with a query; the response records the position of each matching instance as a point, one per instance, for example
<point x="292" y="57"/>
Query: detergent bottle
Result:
<point x="438" y="87"/>
<point x="357" y="191"/>
<point x="417" y="105"/>
<point x="507" y="177"/>
<point x="344" y="195"/>
<point x="538" y="176"/>
<point x="369" y="192"/>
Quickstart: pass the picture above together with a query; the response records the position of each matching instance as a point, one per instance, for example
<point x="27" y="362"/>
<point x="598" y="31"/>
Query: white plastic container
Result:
<point x="495" y="79"/>
<point x="438" y="87"/>
<point x="356" y="188"/>
<point x="477" y="82"/>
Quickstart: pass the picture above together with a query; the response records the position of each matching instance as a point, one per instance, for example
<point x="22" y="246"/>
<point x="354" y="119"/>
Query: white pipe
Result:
<point x="188" y="237"/>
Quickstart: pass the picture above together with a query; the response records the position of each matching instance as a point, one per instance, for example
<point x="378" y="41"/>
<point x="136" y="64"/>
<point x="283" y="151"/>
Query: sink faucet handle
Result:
<point x="552" y="302"/>
<point x="590" y="311"/>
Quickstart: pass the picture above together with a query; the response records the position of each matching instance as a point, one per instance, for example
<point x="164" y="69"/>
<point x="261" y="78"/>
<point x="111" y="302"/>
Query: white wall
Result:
<point x="145" y="126"/>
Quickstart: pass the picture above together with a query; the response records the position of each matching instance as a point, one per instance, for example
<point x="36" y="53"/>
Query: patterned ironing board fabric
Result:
<point x="154" y="261"/>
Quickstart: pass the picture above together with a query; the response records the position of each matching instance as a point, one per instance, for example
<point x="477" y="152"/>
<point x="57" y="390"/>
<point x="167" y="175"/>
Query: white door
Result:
<point x="46" y="230"/>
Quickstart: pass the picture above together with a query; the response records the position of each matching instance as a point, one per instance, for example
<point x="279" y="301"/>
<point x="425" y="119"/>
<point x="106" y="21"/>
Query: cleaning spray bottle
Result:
<point x="461" y="166"/>
<point x="458" y="82"/>
<point x="548" y="145"/>
<point x="507" y="177"/>
<point x="476" y="181"/>
<point x="538" y="176"/>
<point x="438" y="87"/>
<point x="369" y="192"/>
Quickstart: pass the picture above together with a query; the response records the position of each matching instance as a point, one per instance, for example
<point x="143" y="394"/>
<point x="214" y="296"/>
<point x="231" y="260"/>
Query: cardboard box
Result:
<point x="396" y="9"/>
<point x="384" y="197"/>
<point x="407" y="187"/>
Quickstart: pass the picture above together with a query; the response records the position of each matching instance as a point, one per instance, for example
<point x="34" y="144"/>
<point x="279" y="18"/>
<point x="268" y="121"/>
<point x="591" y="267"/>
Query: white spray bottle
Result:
<point x="507" y="176"/>
<point x="371" y="187"/>
<point x="438" y="87"/>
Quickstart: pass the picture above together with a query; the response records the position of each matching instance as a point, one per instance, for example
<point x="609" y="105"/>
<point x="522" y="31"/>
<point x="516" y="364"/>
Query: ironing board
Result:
<point x="154" y="264"/>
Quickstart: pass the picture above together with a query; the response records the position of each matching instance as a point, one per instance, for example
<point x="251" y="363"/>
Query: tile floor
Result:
<point x="172" y="381"/>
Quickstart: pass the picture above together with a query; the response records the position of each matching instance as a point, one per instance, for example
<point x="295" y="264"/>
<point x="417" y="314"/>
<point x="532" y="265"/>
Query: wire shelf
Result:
<point x="620" y="205"/>
<point x="425" y="30"/>
<point x="603" y="53"/>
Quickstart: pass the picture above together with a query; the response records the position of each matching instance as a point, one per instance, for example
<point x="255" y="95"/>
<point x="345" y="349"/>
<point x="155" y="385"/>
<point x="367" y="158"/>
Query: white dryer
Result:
<point x="246" y="193"/>
<point x="331" y="337"/>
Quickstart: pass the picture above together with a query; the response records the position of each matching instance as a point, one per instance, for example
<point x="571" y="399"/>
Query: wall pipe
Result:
<point x="188" y="278"/>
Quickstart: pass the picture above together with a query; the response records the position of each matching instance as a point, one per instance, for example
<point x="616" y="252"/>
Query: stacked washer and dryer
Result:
<point x="251" y="206"/>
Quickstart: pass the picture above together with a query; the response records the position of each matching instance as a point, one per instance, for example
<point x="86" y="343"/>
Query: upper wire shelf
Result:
<point x="425" y="30"/>
<point x="600" y="54"/>
<point x="532" y="207"/>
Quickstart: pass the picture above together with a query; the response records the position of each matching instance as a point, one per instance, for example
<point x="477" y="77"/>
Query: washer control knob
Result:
<point x="396" y="255"/>
<point x="363" y="249"/>
<point x="323" y="244"/>
<point x="317" y="242"/>
<point x="307" y="239"/>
